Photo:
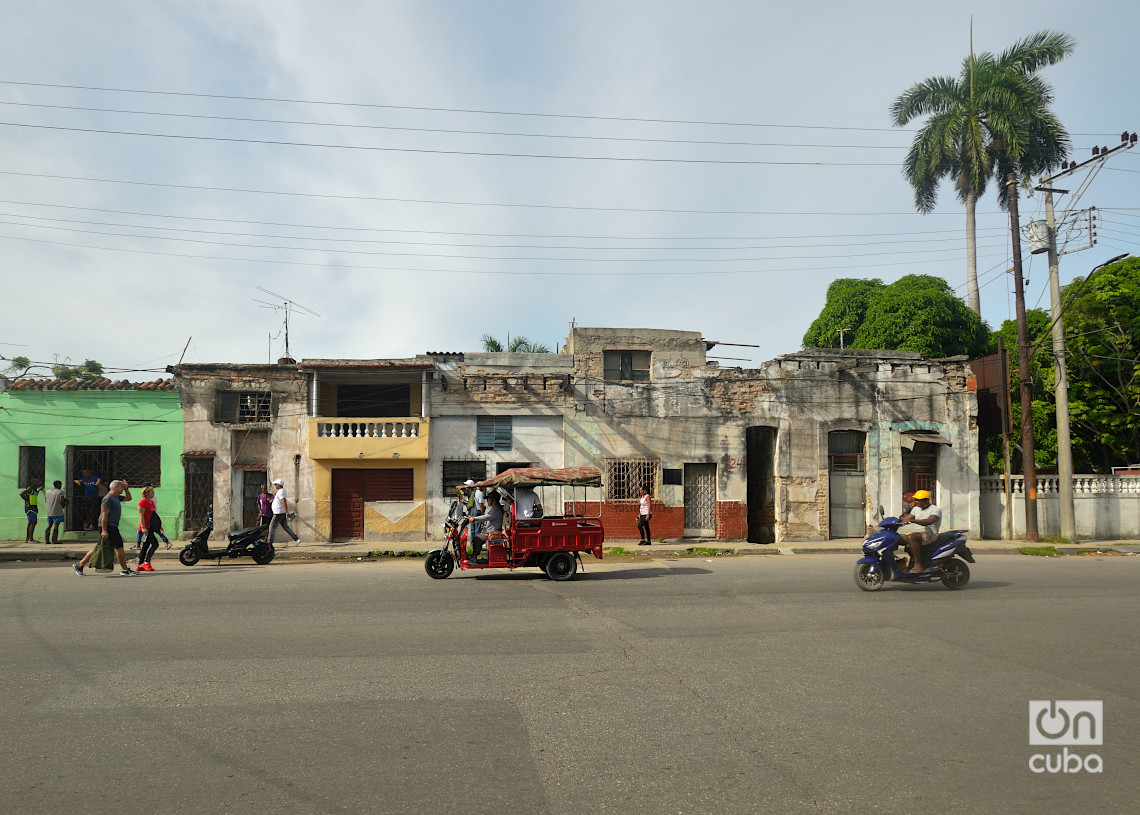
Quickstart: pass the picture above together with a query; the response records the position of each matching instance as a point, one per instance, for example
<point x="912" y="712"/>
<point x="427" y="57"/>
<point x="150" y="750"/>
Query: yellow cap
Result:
<point x="918" y="496"/>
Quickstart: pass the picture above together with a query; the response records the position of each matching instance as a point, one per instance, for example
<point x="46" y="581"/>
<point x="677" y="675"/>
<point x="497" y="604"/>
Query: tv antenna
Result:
<point x="287" y="306"/>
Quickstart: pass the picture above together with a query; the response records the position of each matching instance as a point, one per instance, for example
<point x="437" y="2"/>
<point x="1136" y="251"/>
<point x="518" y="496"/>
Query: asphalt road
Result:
<point x="678" y="686"/>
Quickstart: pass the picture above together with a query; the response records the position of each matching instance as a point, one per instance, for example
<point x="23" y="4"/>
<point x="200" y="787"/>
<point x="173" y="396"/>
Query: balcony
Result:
<point x="379" y="438"/>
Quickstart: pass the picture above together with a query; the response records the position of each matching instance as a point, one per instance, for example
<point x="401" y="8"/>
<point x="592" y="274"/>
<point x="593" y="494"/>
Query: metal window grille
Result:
<point x="455" y="472"/>
<point x="845" y="450"/>
<point x="137" y="465"/>
<point x="199" y="492"/>
<point x="493" y="433"/>
<point x="31" y="467"/>
<point x="624" y="477"/>
<point x="241" y="407"/>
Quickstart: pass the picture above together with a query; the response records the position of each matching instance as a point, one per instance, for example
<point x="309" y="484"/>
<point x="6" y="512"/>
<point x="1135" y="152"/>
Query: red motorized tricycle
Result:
<point x="530" y="535"/>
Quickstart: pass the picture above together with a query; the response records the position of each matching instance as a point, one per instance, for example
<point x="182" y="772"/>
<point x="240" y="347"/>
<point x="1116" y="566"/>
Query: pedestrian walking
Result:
<point x="643" y="516"/>
<point x="265" y="506"/>
<point x="157" y="527"/>
<point x="54" y="502"/>
<point x="31" y="498"/>
<point x="110" y="511"/>
<point x="280" y="507"/>
<point x="148" y="518"/>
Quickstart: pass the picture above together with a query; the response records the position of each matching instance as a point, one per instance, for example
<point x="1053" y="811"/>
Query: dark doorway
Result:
<point x="760" y="459"/>
<point x="920" y="470"/>
<point x="251" y="483"/>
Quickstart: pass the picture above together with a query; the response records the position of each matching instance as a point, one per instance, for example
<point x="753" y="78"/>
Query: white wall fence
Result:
<point x="1107" y="507"/>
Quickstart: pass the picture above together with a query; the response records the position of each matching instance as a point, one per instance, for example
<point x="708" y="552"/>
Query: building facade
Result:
<point x="53" y="430"/>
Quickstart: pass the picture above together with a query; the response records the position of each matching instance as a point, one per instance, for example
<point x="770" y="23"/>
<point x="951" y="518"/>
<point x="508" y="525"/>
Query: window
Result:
<point x="626" y="366"/>
<point x="456" y="472"/>
<point x="502" y="466"/>
<point x="845" y="450"/>
<point x="493" y="433"/>
<point x="32" y="467"/>
<point x="624" y="477"/>
<point x="373" y="401"/>
<point x="236" y="407"/>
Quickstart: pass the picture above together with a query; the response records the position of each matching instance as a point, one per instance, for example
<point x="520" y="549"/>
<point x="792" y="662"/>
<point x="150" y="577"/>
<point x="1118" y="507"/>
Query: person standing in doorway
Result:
<point x="110" y="511"/>
<point x="643" y="516"/>
<point x="54" y="502"/>
<point x="31" y="497"/>
<point x="280" y="507"/>
<point x="89" y="504"/>
<point x="264" y="506"/>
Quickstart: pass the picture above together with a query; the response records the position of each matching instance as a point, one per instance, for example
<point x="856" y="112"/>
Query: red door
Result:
<point x="351" y="488"/>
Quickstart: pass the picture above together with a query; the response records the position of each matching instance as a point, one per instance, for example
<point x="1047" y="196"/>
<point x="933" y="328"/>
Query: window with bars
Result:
<point x="455" y="472"/>
<point x="845" y="450"/>
<point x="626" y="366"/>
<point x="242" y="407"/>
<point x="624" y="477"/>
<point x="199" y="494"/>
<point x="31" y="467"/>
<point x="493" y="433"/>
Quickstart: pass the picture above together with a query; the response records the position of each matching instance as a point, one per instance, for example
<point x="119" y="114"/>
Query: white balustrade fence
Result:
<point x="1107" y="507"/>
<point x="368" y="429"/>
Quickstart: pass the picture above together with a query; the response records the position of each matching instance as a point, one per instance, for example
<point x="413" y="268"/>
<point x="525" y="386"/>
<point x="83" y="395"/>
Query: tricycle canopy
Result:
<point x="544" y="477"/>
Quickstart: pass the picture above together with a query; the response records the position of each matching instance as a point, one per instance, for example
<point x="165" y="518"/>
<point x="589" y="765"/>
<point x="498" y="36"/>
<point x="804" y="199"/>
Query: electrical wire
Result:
<point x="439" y="152"/>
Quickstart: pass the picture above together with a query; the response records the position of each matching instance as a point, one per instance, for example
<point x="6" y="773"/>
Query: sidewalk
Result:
<point x="351" y="550"/>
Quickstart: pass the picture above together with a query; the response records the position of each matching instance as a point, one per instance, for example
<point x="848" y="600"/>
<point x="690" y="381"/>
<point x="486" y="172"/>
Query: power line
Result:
<point x="924" y="240"/>
<point x="453" y="131"/>
<point x="531" y="273"/>
<point x="561" y="207"/>
<point x="431" y="151"/>
<point x="447" y="110"/>
<point x="477" y="257"/>
<point x="495" y="234"/>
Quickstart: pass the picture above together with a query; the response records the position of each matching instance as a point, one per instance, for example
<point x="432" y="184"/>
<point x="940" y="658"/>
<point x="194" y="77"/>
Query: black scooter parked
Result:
<point x="244" y="542"/>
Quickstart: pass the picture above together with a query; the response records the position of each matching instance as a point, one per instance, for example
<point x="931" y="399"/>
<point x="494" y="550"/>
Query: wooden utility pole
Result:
<point x="1028" y="464"/>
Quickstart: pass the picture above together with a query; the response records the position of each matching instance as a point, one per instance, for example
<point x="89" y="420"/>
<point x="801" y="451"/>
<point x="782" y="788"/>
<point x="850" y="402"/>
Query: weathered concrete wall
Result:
<point x="1106" y="507"/>
<point x="282" y="441"/>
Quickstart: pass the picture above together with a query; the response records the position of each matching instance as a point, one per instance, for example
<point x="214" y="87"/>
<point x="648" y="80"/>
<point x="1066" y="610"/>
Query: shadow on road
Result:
<point x="619" y="574"/>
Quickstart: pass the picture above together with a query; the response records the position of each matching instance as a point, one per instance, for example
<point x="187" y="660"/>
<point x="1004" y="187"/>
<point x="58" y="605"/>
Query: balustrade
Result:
<point x="368" y="429"/>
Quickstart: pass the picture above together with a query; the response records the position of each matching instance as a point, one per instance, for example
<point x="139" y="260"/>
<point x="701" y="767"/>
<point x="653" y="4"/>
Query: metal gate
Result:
<point x="700" y="500"/>
<point x="199" y="494"/>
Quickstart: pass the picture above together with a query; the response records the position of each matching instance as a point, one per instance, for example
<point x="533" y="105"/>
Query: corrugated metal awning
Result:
<point x="908" y="440"/>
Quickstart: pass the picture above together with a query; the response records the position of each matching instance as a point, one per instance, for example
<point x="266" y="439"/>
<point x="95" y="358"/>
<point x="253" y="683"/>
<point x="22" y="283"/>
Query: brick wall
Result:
<point x="731" y="520"/>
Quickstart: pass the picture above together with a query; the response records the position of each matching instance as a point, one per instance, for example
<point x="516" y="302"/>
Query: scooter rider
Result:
<point x="920" y="526"/>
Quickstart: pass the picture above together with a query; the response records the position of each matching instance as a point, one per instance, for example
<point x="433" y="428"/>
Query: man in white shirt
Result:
<point x="920" y="526"/>
<point x="281" y="513"/>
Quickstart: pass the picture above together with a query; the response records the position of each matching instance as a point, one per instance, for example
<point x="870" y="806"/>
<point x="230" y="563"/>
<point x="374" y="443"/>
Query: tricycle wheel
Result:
<point x="561" y="566"/>
<point x="869" y="580"/>
<point x="439" y="564"/>
<point x="188" y="556"/>
<point x="955" y="574"/>
<point x="263" y="553"/>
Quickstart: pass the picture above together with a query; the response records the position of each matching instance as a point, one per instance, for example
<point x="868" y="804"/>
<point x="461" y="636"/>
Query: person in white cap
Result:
<point x="281" y="513"/>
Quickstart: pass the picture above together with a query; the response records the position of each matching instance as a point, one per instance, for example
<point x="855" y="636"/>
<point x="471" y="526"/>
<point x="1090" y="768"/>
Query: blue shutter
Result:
<point x="493" y="433"/>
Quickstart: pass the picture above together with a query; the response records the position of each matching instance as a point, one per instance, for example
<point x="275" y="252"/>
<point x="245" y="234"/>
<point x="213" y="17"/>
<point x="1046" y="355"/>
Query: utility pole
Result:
<point x="1028" y="464"/>
<point x="1060" y="369"/>
<point x="841" y="331"/>
<point x="1061" y="382"/>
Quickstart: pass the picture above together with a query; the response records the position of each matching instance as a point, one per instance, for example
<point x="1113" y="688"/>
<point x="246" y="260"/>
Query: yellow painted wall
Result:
<point x="374" y="450"/>
<point x="376" y="526"/>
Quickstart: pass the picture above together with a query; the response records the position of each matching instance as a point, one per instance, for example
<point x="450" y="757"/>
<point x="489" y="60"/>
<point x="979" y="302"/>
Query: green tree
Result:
<point x="845" y="309"/>
<point x="88" y="371"/>
<point x="1102" y="341"/>
<point x="18" y="366"/>
<point x="514" y="345"/>
<point x="915" y="313"/>
<point x="993" y="119"/>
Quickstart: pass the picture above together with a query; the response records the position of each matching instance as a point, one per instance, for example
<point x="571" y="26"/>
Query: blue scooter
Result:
<point x="879" y="564"/>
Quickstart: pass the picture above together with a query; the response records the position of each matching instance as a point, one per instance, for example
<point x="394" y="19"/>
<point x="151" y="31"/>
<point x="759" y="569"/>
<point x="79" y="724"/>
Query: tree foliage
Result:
<point x="991" y="120"/>
<point x="915" y="313"/>
<point x="514" y="345"/>
<point x="89" y="370"/>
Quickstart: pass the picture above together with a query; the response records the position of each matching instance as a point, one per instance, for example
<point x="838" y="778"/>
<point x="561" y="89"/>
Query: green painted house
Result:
<point x="53" y="430"/>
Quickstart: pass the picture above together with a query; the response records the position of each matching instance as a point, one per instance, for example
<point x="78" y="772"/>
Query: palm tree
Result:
<point x="992" y="120"/>
<point x="515" y="345"/>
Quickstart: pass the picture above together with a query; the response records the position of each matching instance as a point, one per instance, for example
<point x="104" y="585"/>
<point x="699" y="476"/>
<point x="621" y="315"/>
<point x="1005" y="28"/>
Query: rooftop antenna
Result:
<point x="287" y="306"/>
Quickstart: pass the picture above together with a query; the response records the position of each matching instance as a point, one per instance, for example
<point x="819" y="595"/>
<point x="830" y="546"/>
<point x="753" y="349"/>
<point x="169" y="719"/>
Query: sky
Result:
<point x="417" y="175"/>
